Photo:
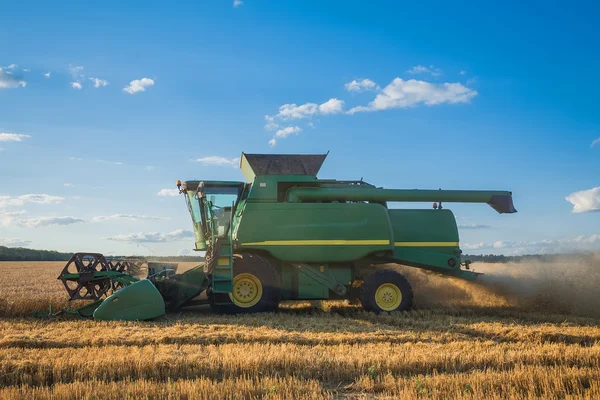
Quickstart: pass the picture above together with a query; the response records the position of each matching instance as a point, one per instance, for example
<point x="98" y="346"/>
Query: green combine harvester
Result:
<point x="285" y="234"/>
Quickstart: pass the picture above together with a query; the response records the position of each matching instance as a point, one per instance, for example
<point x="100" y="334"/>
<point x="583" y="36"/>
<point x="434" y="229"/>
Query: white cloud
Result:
<point x="138" y="85"/>
<point x="237" y="3"/>
<point x="109" y="162"/>
<point x="68" y="185"/>
<point x="567" y="245"/>
<point x="462" y="72"/>
<point x="12" y="66"/>
<point x="149" y="168"/>
<point x="47" y="74"/>
<point x="595" y="142"/>
<point x="398" y="94"/>
<point x="40" y="199"/>
<point x="360" y="85"/>
<point x="9" y="81"/>
<point x="6" y="218"/>
<point x="421" y="69"/>
<point x="294" y="111"/>
<point x="99" y="82"/>
<point x="14" y="242"/>
<point x="585" y="200"/>
<point x="331" y="106"/>
<point x="153" y="237"/>
<point x="77" y="76"/>
<point x="185" y="252"/>
<point x="473" y="226"/>
<point x="502" y="245"/>
<point x="12" y="137"/>
<point x="218" y="161"/>
<point x="48" y="221"/>
<point x="287" y="131"/>
<point x="168" y="192"/>
<point x="6" y="201"/>
<point x="98" y="161"/>
<point x="402" y="94"/>
<point x="475" y="246"/>
<point x="306" y="110"/>
<point x="270" y="123"/>
<point x="126" y="217"/>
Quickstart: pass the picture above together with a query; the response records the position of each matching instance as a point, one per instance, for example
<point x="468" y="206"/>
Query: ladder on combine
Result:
<point x="222" y="277"/>
<point x="223" y="270"/>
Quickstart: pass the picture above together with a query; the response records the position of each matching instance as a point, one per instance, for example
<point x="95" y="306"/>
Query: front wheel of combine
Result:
<point x="256" y="287"/>
<point x="386" y="290"/>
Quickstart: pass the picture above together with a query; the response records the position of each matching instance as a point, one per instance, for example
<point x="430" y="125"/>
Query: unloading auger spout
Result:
<point x="501" y="201"/>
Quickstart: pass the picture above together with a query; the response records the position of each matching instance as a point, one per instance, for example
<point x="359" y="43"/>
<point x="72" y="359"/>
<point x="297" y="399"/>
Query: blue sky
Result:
<point x="105" y="104"/>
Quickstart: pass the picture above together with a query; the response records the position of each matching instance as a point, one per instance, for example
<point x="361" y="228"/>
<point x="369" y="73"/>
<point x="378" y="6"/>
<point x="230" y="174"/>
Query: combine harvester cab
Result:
<point x="284" y="234"/>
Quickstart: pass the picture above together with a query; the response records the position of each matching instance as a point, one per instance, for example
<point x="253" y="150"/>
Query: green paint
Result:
<point x="137" y="302"/>
<point x="328" y="226"/>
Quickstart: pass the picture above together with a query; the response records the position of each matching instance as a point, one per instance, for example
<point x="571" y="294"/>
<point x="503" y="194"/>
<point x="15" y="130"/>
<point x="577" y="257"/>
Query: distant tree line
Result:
<point x="23" y="254"/>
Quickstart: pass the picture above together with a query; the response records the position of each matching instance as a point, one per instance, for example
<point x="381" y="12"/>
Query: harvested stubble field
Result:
<point x="524" y="331"/>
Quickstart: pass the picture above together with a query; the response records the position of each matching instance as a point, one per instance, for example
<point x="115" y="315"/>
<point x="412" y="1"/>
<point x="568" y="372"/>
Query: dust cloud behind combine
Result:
<point x="566" y="284"/>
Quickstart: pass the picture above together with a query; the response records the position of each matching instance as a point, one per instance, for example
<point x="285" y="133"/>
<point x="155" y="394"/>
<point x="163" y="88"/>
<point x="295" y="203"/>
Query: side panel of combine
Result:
<point x="431" y="230"/>
<point x="315" y="232"/>
<point x="426" y="238"/>
<point x="297" y="284"/>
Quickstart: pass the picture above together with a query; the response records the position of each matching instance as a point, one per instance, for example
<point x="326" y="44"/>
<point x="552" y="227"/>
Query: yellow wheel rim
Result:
<point x="247" y="290"/>
<point x="388" y="297"/>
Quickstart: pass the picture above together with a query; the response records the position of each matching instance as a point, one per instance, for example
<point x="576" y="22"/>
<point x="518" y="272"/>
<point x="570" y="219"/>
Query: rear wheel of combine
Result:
<point x="386" y="290"/>
<point x="256" y="287"/>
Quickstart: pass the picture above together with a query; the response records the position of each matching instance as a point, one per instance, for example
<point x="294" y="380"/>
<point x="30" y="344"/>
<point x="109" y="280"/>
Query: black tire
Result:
<point x="379" y="278"/>
<point x="265" y="272"/>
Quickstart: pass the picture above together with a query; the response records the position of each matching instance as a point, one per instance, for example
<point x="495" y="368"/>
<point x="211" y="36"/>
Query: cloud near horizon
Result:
<point x="585" y="200"/>
<point x="126" y="217"/>
<point x="14" y="242"/>
<point x="577" y="244"/>
<point x="473" y="226"/>
<point x="48" y="221"/>
<point x="153" y="237"/>
<point x="168" y="192"/>
<point x="6" y="201"/>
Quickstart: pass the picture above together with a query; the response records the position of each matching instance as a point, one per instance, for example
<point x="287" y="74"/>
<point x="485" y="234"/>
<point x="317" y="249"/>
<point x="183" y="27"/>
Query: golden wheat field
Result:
<point x="524" y="331"/>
